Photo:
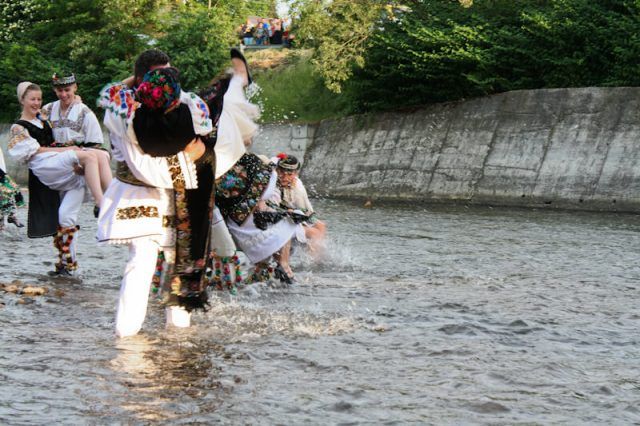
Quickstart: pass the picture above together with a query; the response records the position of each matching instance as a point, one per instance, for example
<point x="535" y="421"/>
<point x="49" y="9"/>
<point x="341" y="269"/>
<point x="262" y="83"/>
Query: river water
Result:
<point x="430" y="315"/>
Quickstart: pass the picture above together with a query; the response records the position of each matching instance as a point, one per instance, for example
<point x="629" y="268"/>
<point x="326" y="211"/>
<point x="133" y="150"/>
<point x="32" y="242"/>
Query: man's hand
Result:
<point x="195" y="149"/>
<point x="129" y="81"/>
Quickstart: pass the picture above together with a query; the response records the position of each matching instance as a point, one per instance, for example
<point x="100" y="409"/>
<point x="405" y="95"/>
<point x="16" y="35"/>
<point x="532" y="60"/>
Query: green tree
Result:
<point x="421" y="51"/>
<point x="99" y="39"/>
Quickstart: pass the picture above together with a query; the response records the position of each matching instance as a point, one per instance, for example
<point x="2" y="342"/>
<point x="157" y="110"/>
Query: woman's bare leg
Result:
<point x="104" y="168"/>
<point x="315" y="235"/>
<point x="89" y="162"/>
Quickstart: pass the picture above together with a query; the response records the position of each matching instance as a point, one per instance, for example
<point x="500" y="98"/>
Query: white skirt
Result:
<point x="236" y="124"/>
<point x="55" y="170"/>
<point x="257" y="244"/>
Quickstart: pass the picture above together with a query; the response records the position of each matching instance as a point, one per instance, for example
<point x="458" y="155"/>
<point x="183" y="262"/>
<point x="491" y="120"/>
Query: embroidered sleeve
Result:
<point x="117" y="98"/>
<point x="303" y="197"/>
<point x="202" y="124"/>
<point x="188" y="171"/>
<point x="21" y="145"/>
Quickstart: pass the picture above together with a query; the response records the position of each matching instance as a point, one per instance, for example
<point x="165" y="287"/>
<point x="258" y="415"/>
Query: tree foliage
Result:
<point x="99" y="39"/>
<point x="415" y="52"/>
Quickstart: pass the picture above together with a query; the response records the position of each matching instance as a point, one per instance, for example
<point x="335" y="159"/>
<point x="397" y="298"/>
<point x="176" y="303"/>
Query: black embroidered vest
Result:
<point x="43" y="201"/>
<point x="44" y="136"/>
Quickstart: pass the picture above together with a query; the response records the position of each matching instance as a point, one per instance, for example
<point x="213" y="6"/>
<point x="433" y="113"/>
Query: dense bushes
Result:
<point x="389" y="54"/>
<point x="439" y="51"/>
<point x="99" y="40"/>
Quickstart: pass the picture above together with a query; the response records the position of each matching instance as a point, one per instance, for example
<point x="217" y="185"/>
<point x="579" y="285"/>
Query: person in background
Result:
<point x="247" y="34"/>
<point x="276" y="36"/>
<point x="10" y="197"/>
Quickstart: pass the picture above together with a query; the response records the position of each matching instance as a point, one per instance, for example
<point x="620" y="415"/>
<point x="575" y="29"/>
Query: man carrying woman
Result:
<point x="140" y="208"/>
<point x="245" y="185"/>
<point x="56" y="190"/>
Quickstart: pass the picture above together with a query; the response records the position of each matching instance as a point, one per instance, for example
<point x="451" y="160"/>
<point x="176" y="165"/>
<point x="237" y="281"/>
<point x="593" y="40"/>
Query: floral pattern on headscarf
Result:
<point x="160" y="89"/>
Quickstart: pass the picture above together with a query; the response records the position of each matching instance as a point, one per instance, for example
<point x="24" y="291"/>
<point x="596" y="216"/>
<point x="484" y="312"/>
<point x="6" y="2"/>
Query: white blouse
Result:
<point x="296" y="197"/>
<point x="22" y="147"/>
<point x="78" y="125"/>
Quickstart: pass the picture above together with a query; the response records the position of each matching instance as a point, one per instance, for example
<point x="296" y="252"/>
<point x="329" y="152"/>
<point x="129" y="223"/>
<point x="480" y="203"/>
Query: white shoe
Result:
<point x="177" y="317"/>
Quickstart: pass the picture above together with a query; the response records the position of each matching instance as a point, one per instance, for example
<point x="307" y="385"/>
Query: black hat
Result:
<point x="288" y="162"/>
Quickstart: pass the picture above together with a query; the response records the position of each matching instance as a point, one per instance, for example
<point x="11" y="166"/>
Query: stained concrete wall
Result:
<point x="568" y="148"/>
<point x="290" y="138"/>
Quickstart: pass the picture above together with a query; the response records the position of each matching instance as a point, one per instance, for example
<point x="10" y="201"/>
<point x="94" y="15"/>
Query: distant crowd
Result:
<point x="266" y="31"/>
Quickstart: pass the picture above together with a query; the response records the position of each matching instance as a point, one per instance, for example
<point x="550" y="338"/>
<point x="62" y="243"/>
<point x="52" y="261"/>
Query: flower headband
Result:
<point x="62" y="79"/>
<point x="160" y="89"/>
<point x="288" y="162"/>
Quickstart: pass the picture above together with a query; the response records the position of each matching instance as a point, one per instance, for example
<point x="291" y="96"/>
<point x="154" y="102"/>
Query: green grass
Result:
<point x="290" y="91"/>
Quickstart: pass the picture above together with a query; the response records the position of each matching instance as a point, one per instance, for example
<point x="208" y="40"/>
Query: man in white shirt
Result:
<point x="294" y="197"/>
<point x="138" y="206"/>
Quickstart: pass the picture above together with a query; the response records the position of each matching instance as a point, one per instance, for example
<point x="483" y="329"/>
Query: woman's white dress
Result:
<point x="235" y="125"/>
<point x="55" y="169"/>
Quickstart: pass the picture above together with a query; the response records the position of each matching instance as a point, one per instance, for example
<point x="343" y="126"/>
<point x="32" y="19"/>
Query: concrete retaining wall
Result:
<point x="289" y="138"/>
<point x="568" y="148"/>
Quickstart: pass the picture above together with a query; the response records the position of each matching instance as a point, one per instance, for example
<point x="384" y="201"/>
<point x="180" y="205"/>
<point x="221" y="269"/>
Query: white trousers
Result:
<point x="134" y="290"/>
<point x="135" y="286"/>
<point x="70" y="205"/>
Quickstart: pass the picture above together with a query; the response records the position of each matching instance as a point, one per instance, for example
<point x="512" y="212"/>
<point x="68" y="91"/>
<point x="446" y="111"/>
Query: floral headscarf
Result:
<point x="160" y="89"/>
